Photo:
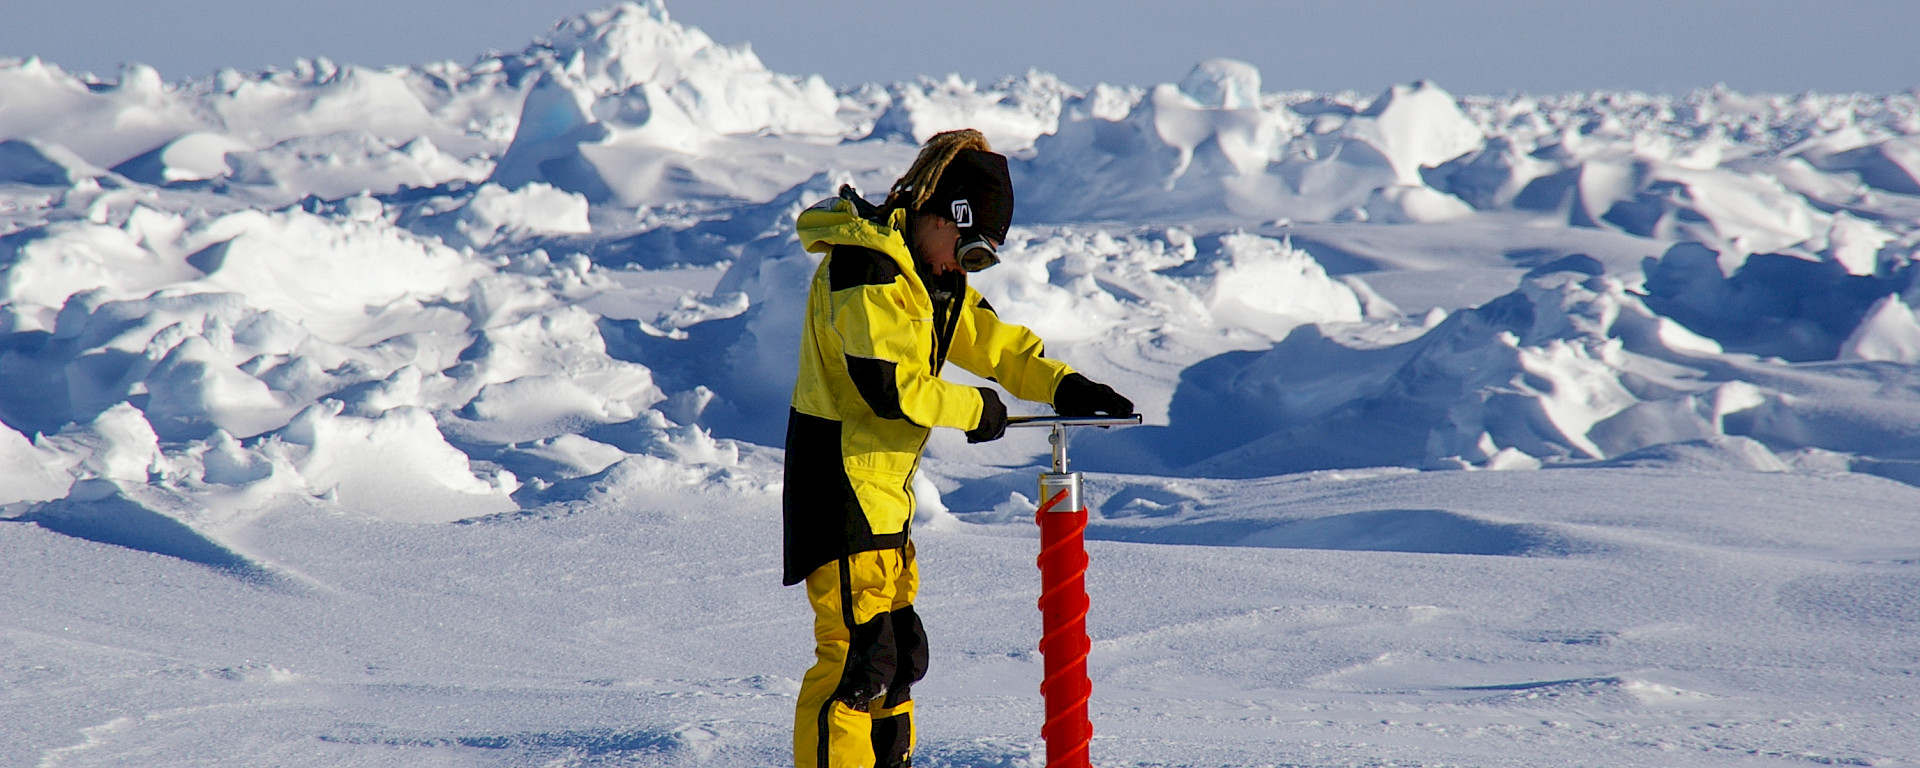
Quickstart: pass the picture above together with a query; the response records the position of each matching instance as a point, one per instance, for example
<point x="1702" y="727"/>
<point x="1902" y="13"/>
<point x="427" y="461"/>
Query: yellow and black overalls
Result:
<point x="868" y="394"/>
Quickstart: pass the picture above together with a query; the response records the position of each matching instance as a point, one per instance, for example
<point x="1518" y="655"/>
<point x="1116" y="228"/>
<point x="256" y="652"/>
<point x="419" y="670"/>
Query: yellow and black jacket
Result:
<point x="869" y="390"/>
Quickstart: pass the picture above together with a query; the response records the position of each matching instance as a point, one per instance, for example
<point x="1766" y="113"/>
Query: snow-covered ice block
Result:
<point x="394" y="467"/>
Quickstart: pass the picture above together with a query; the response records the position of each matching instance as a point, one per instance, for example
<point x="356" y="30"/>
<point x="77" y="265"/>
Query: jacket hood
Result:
<point x="836" y="221"/>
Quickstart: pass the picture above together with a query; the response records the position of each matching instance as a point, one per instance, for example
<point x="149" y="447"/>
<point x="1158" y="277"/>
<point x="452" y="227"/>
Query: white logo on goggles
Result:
<point x="962" y="213"/>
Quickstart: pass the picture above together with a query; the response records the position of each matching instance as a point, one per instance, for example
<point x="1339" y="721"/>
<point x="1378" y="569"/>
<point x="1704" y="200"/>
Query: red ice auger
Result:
<point x="1063" y="595"/>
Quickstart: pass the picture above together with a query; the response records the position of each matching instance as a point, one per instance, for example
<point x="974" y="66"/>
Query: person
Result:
<point x="887" y="308"/>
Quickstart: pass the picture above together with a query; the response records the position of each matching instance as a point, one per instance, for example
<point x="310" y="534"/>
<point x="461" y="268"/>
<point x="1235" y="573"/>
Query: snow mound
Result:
<point x="1012" y="113"/>
<point x="1715" y="453"/>
<point x="134" y="516"/>
<point x="195" y="156"/>
<point x="1569" y="367"/>
<point x="337" y="165"/>
<point x="495" y="215"/>
<point x="50" y="264"/>
<point x="1074" y="285"/>
<point x="1780" y="304"/>
<point x="395" y="466"/>
<point x="1889" y="332"/>
<point x="666" y="463"/>
<point x="26" y="161"/>
<point x="1223" y="84"/>
<point x="1741" y="214"/>
<point x="104" y="125"/>
<point x="31" y="474"/>
<point x="1415" y="126"/>
<point x="1402" y="204"/>
<point x="278" y="259"/>
<point x="626" y="99"/>
<point x="544" y="376"/>
<point x="636" y="54"/>
<point x="344" y="351"/>
<point x="1209" y="146"/>
<point x="1892" y="165"/>
<point x="1271" y="286"/>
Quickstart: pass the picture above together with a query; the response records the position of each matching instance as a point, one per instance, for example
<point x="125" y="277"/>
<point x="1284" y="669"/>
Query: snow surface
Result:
<point x="432" y="415"/>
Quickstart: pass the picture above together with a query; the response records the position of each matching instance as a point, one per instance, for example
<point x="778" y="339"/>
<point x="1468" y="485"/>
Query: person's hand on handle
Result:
<point x="1078" y="395"/>
<point x="993" y="418"/>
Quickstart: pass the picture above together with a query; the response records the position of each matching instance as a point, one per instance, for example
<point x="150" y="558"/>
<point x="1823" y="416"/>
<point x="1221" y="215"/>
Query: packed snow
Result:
<point x="433" y="415"/>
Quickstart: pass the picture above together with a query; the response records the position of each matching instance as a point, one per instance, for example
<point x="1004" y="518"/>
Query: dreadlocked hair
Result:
<point x="913" y="189"/>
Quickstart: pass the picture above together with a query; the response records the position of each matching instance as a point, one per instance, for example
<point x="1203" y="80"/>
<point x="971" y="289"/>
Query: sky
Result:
<point x="1481" y="46"/>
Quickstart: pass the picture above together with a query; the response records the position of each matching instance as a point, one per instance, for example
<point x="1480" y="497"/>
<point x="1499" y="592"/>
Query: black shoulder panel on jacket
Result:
<point x="852" y="266"/>
<point x="875" y="380"/>
<point x="984" y="305"/>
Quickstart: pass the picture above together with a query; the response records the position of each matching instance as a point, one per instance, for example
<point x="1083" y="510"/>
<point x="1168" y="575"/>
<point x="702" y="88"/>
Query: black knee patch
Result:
<point x="873" y="662"/>
<point x="910" y="640"/>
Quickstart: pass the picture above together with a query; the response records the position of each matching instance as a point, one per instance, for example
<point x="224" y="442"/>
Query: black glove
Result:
<point x="993" y="418"/>
<point x="1078" y="395"/>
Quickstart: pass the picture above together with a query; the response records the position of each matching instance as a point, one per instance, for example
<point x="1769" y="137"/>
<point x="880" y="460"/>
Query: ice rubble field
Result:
<point x="431" y="416"/>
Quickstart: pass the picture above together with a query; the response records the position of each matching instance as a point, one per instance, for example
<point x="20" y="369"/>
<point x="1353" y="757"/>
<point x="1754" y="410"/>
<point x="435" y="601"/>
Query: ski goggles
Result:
<point x="976" y="252"/>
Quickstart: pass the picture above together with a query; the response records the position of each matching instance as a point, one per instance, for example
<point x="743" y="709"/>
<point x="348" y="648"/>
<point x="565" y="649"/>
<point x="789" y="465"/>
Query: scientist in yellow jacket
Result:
<point x="888" y="307"/>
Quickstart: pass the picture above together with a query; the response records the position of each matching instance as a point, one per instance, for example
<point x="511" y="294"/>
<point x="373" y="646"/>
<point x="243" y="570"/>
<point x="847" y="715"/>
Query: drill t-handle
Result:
<point x="1059" y="436"/>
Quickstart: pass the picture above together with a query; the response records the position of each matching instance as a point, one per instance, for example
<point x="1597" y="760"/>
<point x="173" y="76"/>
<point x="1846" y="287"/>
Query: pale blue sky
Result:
<point x="1476" y="46"/>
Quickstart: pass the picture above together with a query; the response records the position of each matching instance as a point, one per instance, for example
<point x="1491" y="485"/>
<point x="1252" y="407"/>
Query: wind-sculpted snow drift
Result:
<point x="444" y="291"/>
